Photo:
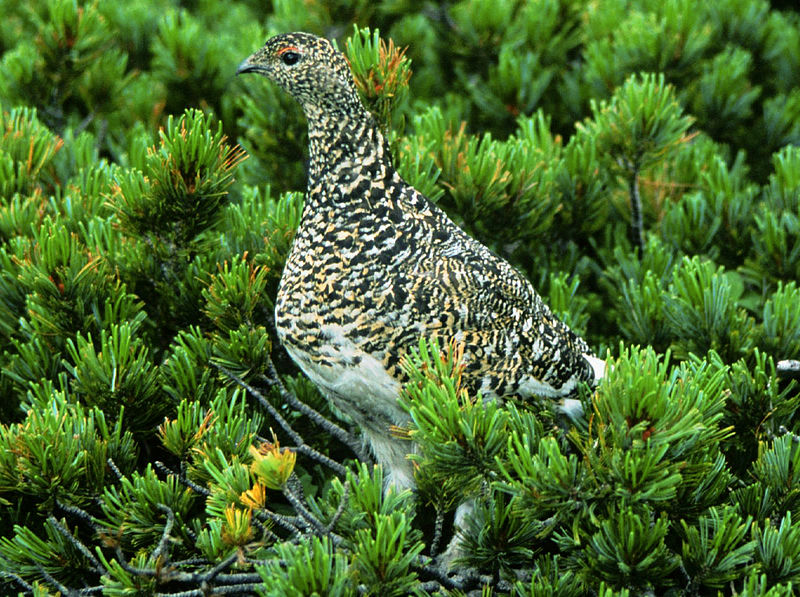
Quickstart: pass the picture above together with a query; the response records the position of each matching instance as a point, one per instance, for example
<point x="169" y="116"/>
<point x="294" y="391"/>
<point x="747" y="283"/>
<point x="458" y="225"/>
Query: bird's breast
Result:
<point x="336" y="275"/>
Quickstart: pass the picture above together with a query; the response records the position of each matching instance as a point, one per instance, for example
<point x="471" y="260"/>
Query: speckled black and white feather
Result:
<point x="375" y="265"/>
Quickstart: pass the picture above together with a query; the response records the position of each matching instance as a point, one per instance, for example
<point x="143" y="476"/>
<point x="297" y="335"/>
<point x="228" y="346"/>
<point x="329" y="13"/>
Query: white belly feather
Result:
<point x="357" y="383"/>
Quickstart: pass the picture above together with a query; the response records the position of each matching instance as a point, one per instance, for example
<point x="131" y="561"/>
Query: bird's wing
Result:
<point x="513" y="342"/>
<point x="452" y="265"/>
<point x="451" y="286"/>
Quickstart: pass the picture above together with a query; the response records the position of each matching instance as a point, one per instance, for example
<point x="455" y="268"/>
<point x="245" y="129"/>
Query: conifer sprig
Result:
<point x="637" y="160"/>
<point x="639" y="125"/>
<point x="184" y="184"/>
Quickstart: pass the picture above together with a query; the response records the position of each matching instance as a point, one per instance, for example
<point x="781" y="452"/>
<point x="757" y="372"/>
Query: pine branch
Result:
<point x="123" y="562"/>
<point x="464" y="583"/>
<point x="335" y="430"/>
<point x="17" y="579"/>
<point x="209" y="576"/>
<point x="114" y="469"/>
<point x="239" y="589"/>
<point x="631" y="167"/>
<point x="87" y="120"/>
<point x="265" y="531"/>
<point x="637" y="224"/>
<point x="98" y="567"/>
<point x="226" y="584"/>
<point x="190" y="562"/>
<point x="79" y="513"/>
<point x="321" y="458"/>
<point x="182" y="479"/>
<point x="231" y="583"/>
<point x="163" y="543"/>
<point x="293" y="483"/>
<point x="437" y="532"/>
<point x="241" y="577"/>
<point x="285" y="522"/>
<point x="296" y="437"/>
<point x="264" y="404"/>
<point x="339" y="510"/>
<point x="304" y="513"/>
<point x="59" y="587"/>
<point x="315" y="523"/>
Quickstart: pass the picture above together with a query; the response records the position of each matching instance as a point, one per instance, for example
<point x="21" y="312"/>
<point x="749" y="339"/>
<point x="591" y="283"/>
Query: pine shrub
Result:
<point x="639" y="161"/>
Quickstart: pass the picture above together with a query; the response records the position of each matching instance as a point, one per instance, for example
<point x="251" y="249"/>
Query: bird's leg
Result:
<point x="392" y="454"/>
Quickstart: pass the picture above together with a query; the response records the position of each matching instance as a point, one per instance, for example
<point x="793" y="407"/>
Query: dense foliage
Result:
<point x="639" y="160"/>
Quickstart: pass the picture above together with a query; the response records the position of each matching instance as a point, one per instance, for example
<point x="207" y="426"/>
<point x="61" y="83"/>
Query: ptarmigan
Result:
<point x="375" y="265"/>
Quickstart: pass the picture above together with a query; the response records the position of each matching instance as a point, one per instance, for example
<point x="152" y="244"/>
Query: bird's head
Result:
<point x="306" y="66"/>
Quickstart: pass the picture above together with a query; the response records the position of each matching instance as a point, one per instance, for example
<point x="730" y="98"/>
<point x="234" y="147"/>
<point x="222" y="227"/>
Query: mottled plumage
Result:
<point x="375" y="265"/>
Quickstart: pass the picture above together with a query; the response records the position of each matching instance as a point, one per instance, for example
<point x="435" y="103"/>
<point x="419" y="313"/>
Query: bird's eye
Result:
<point x="289" y="58"/>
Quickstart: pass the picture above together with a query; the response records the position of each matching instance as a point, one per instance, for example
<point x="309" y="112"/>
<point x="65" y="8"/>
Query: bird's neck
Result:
<point x="345" y="148"/>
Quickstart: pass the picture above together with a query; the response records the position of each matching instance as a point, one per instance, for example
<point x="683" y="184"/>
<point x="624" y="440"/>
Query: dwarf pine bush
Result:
<point x="639" y="161"/>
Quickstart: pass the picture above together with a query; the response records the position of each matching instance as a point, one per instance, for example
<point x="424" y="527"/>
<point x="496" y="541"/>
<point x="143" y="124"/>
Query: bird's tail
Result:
<point x="598" y="366"/>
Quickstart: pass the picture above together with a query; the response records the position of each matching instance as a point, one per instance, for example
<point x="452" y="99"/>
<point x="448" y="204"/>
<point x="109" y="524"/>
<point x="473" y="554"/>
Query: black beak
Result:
<point x="248" y="67"/>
